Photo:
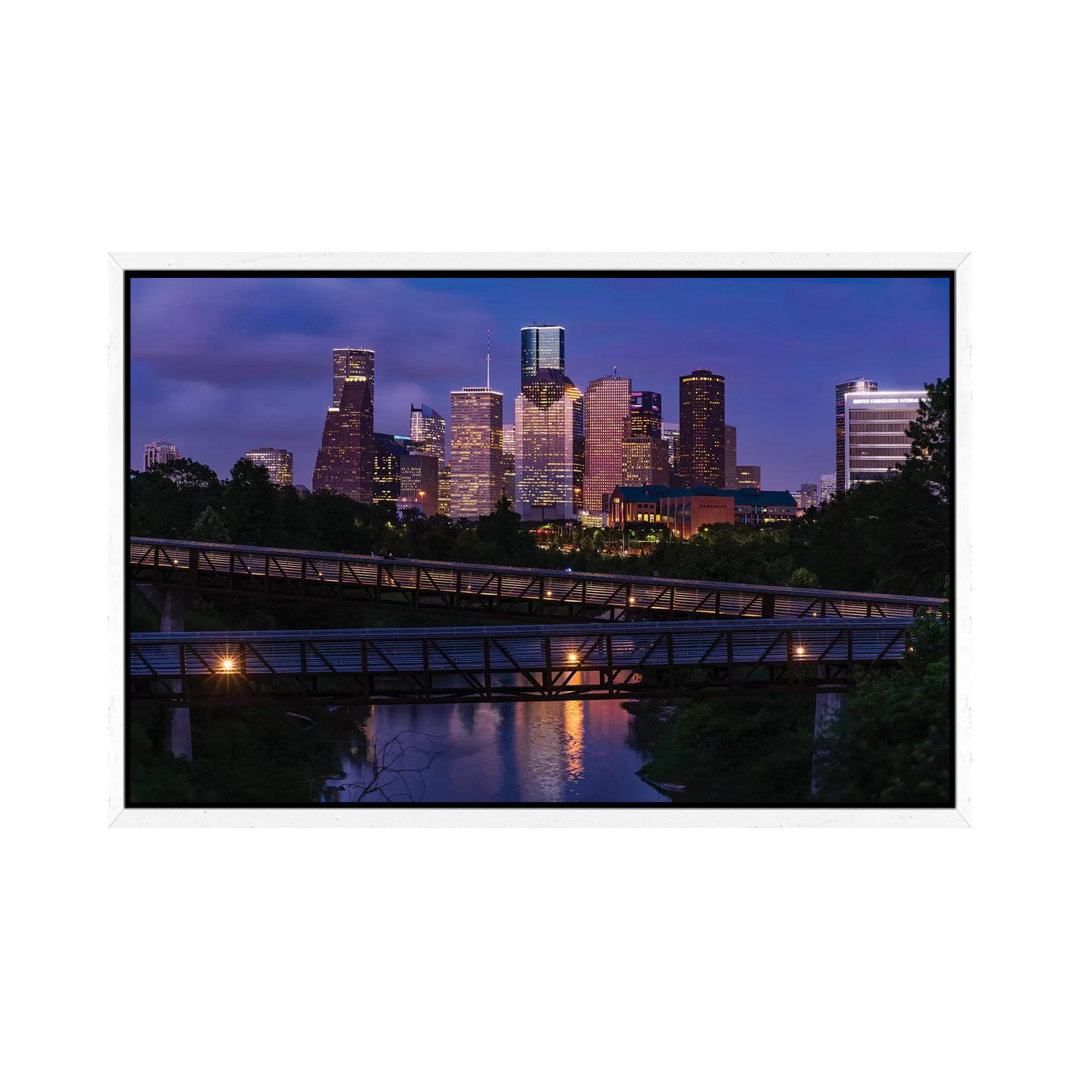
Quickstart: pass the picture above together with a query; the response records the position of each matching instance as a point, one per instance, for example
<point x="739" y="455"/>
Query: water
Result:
<point x="512" y="752"/>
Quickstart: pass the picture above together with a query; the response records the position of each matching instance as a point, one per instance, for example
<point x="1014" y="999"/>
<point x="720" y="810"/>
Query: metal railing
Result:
<point x="492" y="590"/>
<point x="516" y="663"/>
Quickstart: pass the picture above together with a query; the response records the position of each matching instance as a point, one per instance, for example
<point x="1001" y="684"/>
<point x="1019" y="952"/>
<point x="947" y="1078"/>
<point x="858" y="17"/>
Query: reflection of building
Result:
<point x="682" y="510"/>
<point x="730" y="468"/>
<point x="841" y="440"/>
<point x="876" y="424"/>
<point x="158" y="453"/>
<point x="346" y="459"/>
<point x="278" y="463"/>
<point x="701" y="429"/>
<point x="748" y="476"/>
<point x="549" y="453"/>
<point x="827" y="487"/>
<point x="607" y="403"/>
<point x="476" y="479"/>
<point x="543" y="348"/>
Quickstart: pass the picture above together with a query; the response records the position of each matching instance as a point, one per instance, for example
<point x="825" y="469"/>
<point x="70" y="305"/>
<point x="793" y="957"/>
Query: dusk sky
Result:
<point x="223" y="365"/>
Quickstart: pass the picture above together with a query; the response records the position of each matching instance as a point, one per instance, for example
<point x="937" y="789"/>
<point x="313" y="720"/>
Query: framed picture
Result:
<point x="672" y="540"/>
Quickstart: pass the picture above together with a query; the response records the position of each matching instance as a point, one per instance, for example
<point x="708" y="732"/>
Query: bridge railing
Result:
<point x="491" y="589"/>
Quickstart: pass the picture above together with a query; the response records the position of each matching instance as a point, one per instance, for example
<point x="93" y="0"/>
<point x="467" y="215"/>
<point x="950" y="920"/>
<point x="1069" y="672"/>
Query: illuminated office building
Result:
<point x="476" y="452"/>
<point x="444" y="490"/>
<point x="701" y="429"/>
<point x="827" y="487"/>
<point x="277" y="463"/>
<point x="730" y="468"/>
<point x="670" y="434"/>
<point x="427" y="429"/>
<point x="390" y="451"/>
<point x="607" y="404"/>
<point x="748" y="476"/>
<point x="876" y="423"/>
<point x="855" y="385"/>
<point x="346" y="459"/>
<point x="509" y="484"/>
<point x="549" y="452"/>
<point x="644" y="460"/>
<point x="645" y="416"/>
<point x="158" y="453"/>
<point x="419" y="489"/>
<point x="543" y="348"/>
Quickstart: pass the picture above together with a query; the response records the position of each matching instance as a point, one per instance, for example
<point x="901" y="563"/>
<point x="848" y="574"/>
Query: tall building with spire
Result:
<point x="854" y="386"/>
<point x="607" y="405"/>
<point x="543" y="348"/>
<point x="701" y="429"/>
<point x="346" y="460"/>
<point x="476" y="450"/>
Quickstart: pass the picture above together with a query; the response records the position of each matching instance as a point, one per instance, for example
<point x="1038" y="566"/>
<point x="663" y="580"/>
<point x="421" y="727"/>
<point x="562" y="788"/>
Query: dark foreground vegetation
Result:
<point x="891" y="744"/>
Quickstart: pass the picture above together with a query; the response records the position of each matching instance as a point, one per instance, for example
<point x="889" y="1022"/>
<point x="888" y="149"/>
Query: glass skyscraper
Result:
<point x="349" y="363"/>
<point x="549" y="456"/>
<point x="346" y="459"/>
<point x="543" y="348"/>
<point x="607" y="404"/>
<point x="645" y="415"/>
<point x="278" y="463"/>
<point x="427" y="429"/>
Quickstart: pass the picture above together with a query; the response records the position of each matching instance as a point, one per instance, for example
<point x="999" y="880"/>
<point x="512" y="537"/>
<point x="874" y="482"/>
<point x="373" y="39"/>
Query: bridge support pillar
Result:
<point x="826" y="711"/>
<point x="170" y="604"/>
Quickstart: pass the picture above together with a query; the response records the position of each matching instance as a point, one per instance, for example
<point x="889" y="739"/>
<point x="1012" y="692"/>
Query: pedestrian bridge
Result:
<point x="511" y="592"/>
<point x="513" y="663"/>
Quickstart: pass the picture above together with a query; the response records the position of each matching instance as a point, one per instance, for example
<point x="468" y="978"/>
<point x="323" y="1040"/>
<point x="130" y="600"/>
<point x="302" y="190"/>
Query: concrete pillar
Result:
<point x="827" y="709"/>
<point x="170" y="604"/>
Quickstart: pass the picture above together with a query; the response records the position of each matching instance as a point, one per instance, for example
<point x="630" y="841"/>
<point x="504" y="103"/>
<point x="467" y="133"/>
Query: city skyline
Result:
<point x="221" y="364"/>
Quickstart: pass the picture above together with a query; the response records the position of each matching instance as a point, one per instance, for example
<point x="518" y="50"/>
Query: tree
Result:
<point x="253" y="505"/>
<point x="930" y="458"/>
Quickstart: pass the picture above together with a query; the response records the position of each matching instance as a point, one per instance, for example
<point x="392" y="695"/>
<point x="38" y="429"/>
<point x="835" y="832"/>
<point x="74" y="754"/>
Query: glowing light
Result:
<point x="549" y="592"/>
<point x="800" y="650"/>
<point x="632" y="600"/>
<point x="572" y="658"/>
<point x="228" y="663"/>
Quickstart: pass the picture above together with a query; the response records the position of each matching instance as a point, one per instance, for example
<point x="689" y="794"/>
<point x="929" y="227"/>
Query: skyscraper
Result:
<point x="876" y="424"/>
<point x="346" y="459"/>
<point x="701" y="429"/>
<point x="509" y="491"/>
<point x="855" y="385"/>
<point x="549" y="455"/>
<point x="390" y="452"/>
<point x="350" y="363"/>
<point x="158" y="453"/>
<point x="670" y="434"/>
<point x="827" y="487"/>
<point x="730" y="458"/>
<point x="543" y="348"/>
<point x="645" y="416"/>
<point x="427" y="429"/>
<point x="476" y="479"/>
<point x="607" y="404"/>
<point x="278" y="463"/>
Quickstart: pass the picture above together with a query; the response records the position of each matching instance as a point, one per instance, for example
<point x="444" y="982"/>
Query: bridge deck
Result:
<point x="512" y="663"/>
<point x="491" y="590"/>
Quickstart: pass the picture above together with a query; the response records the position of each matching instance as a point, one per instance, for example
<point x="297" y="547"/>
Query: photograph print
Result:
<point x="500" y="538"/>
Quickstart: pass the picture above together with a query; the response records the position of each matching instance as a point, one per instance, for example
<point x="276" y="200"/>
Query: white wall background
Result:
<point x="928" y="126"/>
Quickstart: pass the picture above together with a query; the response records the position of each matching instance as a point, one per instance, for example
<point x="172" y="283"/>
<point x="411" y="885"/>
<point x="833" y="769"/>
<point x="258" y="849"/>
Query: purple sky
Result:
<point x="222" y="365"/>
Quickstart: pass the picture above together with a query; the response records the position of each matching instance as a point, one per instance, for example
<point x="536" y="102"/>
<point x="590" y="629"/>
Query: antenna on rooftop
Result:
<point x="488" y="383"/>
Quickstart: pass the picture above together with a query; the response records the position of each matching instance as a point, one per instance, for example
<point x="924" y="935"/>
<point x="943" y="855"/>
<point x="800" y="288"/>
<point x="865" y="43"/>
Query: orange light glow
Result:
<point x="228" y="663"/>
<point x="800" y="650"/>
<point x="572" y="658"/>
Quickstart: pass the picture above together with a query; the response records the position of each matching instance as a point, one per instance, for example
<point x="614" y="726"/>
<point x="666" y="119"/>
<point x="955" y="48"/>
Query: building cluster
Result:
<point x="604" y="456"/>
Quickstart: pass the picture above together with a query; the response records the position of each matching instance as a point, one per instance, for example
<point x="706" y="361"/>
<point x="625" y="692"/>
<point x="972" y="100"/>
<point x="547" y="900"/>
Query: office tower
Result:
<point x="277" y="463"/>
<point x="855" y="385"/>
<point x="670" y="434"/>
<point x="427" y="429"/>
<point x="346" y="460"/>
<point x="645" y="413"/>
<point x="876" y="423"/>
<point x="352" y="363"/>
<point x="543" y="348"/>
<point x="730" y="458"/>
<point x="419" y="488"/>
<point x="444" y="489"/>
<point x="607" y="405"/>
<point x="748" y="476"/>
<point x="509" y="485"/>
<point x="701" y="429"/>
<point x="386" y="475"/>
<point x="644" y="460"/>
<point x="807" y="496"/>
<point x="827" y="487"/>
<point x="476" y="478"/>
<point x="158" y="453"/>
<point x="549" y="452"/>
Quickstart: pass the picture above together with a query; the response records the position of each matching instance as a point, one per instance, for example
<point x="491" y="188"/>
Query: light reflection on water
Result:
<point x="510" y="752"/>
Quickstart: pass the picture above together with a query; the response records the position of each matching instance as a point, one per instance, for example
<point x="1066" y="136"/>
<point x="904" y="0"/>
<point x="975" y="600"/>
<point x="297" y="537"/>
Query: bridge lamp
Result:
<point x="228" y="664"/>
<point x="800" y="650"/>
<point x="572" y="658"/>
<point x="549" y="592"/>
<point x="632" y="600"/>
